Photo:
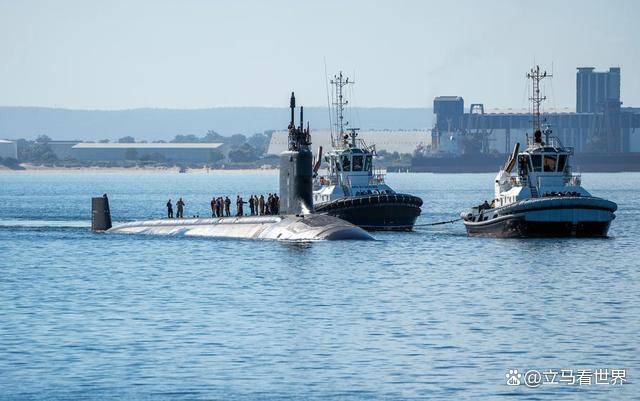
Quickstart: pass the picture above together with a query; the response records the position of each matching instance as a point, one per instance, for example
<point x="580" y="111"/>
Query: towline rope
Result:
<point x="415" y="225"/>
<point x="437" y="223"/>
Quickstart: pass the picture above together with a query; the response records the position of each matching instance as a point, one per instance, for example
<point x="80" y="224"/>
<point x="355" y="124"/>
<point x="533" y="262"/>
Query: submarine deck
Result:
<point x="282" y="227"/>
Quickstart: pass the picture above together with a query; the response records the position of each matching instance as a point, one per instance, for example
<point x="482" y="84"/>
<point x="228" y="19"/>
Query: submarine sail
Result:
<point x="296" y="167"/>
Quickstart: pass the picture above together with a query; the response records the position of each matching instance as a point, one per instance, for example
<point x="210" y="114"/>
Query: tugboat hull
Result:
<point x="544" y="217"/>
<point x="521" y="228"/>
<point x="397" y="212"/>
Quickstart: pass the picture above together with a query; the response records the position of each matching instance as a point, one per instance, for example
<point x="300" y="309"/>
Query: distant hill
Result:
<point x="155" y="124"/>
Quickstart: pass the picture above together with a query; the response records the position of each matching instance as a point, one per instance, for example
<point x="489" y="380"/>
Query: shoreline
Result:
<point x="27" y="169"/>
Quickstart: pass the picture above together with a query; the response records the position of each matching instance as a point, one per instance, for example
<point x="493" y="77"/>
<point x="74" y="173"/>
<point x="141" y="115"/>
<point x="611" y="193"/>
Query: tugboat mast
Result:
<point x="339" y="81"/>
<point x="536" y="100"/>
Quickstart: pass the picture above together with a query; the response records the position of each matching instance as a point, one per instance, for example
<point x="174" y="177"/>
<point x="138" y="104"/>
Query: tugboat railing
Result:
<point x="573" y="180"/>
<point x="570" y="179"/>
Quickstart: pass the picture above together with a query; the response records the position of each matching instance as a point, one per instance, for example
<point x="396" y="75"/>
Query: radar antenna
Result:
<point x="536" y="99"/>
<point x="339" y="82"/>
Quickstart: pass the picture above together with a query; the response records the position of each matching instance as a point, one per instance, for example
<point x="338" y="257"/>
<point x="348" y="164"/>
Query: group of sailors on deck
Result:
<point x="486" y="205"/>
<point x="221" y="206"/>
<point x="567" y="193"/>
<point x="374" y="192"/>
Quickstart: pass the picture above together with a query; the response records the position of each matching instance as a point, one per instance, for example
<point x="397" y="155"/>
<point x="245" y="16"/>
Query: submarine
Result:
<point x="294" y="223"/>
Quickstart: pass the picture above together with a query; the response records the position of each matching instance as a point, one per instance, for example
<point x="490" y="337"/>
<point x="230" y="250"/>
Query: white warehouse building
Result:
<point x="8" y="149"/>
<point x="197" y="152"/>
<point x="401" y="141"/>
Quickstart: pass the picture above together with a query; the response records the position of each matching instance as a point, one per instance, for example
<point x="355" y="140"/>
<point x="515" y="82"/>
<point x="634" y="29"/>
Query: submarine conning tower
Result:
<point x="296" y="170"/>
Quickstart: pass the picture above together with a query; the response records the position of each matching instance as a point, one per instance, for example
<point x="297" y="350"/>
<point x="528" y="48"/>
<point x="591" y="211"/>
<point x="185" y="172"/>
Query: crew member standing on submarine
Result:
<point x="180" y="205"/>
<point x="268" y="204"/>
<point x="252" y="209"/>
<point x="169" y="210"/>
<point x="227" y="206"/>
<point x="239" y="203"/>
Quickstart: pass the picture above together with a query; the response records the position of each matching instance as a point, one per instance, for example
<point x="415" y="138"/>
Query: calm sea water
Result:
<point x="429" y="314"/>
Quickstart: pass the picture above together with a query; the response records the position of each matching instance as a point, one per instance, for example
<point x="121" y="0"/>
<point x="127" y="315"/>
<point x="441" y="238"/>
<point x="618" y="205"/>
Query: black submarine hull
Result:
<point x="282" y="228"/>
<point x="383" y="212"/>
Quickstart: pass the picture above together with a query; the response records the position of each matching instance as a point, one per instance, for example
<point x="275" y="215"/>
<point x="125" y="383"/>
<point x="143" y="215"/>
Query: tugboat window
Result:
<point x="357" y="163"/>
<point x="523" y="164"/>
<point x="536" y="160"/>
<point x="562" y="160"/>
<point x="346" y="163"/>
<point x="367" y="163"/>
<point x="550" y="163"/>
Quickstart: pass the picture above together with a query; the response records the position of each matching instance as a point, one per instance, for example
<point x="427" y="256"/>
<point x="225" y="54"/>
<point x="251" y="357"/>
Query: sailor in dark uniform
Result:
<point x="169" y="210"/>
<point x="227" y="206"/>
<point x="251" y="205"/>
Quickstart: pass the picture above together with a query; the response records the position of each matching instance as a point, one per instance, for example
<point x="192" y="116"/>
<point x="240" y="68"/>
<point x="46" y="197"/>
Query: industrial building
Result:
<point x="62" y="149"/>
<point x="598" y="123"/>
<point x="8" y="149"/>
<point x="594" y="89"/>
<point x="400" y="141"/>
<point x="193" y="152"/>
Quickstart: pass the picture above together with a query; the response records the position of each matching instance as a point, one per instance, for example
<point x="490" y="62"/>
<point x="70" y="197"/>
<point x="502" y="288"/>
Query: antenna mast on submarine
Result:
<point x="299" y="137"/>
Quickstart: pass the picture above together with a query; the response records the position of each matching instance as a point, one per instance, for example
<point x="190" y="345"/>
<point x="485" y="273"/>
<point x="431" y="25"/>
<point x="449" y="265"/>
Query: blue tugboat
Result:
<point x="352" y="190"/>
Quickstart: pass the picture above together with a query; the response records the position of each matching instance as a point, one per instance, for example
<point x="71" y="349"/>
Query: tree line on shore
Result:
<point x="236" y="149"/>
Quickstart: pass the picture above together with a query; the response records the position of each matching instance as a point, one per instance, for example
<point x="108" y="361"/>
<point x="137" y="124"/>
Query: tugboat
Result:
<point x="545" y="198"/>
<point x="352" y="190"/>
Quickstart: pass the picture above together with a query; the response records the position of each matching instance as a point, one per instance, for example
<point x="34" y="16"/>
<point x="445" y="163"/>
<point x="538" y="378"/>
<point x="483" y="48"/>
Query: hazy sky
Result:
<point x="194" y="54"/>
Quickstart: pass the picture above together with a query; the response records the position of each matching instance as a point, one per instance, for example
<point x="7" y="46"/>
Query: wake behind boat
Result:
<point x="352" y="190"/>
<point x="545" y="198"/>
